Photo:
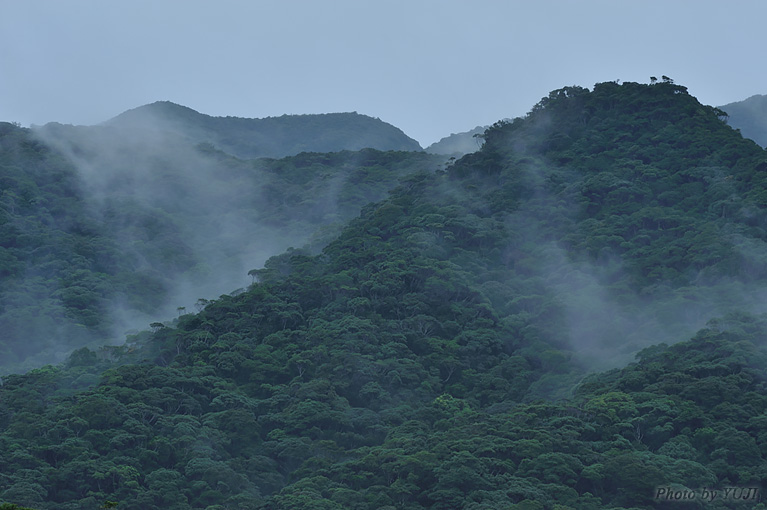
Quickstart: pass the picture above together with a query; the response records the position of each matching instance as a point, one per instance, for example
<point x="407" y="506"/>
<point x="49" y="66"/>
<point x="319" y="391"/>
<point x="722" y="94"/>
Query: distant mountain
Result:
<point x="458" y="144"/>
<point x="272" y="137"/>
<point x="750" y="116"/>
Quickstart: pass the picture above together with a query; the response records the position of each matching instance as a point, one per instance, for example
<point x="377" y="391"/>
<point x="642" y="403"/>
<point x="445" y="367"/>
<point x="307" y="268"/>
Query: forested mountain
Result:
<point x="272" y="137"/>
<point x="440" y="351"/>
<point x="104" y="233"/>
<point x="458" y="144"/>
<point x="750" y="116"/>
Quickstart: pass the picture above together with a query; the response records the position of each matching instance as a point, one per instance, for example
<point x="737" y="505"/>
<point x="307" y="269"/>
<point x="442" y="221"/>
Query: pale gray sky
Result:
<point x="430" y="67"/>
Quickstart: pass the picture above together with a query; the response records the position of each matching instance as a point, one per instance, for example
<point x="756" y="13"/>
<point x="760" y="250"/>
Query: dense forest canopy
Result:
<point x="568" y="318"/>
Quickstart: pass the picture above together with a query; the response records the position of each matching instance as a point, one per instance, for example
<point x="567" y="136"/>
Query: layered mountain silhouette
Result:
<point x="458" y="144"/>
<point x="272" y="137"/>
<point x="750" y="116"/>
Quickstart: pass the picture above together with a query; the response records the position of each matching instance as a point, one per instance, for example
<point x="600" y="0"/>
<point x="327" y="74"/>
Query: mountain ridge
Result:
<point x="458" y="144"/>
<point x="274" y="137"/>
<point x="750" y="116"/>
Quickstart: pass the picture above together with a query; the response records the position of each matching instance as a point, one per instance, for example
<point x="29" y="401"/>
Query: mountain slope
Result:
<point x="272" y="137"/>
<point x="750" y="116"/>
<point x="104" y="233"/>
<point x="434" y="354"/>
<point x="638" y="206"/>
<point x="458" y="144"/>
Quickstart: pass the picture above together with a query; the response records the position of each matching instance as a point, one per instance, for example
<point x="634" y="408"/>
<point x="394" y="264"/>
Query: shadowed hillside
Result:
<point x="750" y="117"/>
<point x="272" y="137"/>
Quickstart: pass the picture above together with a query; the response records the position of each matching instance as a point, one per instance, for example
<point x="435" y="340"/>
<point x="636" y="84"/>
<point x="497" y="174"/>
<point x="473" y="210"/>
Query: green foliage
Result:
<point x="11" y="506"/>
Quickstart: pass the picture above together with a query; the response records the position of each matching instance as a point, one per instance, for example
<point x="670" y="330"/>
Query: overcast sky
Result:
<point x="430" y="68"/>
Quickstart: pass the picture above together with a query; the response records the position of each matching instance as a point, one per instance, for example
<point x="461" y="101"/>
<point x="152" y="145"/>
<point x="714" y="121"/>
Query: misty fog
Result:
<point x="200" y="204"/>
<point x="607" y="317"/>
<point x="193" y="220"/>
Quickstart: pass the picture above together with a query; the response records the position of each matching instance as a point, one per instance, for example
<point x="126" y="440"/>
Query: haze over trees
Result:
<point x="108" y="228"/>
<point x="571" y="317"/>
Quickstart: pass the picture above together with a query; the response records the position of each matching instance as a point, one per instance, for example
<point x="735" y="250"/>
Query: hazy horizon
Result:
<point x="429" y="68"/>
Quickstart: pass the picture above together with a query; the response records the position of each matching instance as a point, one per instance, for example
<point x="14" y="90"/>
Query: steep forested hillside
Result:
<point x="101" y="234"/>
<point x="750" y="116"/>
<point x="271" y="137"/>
<point x="54" y="257"/>
<point x="436" y="353"/>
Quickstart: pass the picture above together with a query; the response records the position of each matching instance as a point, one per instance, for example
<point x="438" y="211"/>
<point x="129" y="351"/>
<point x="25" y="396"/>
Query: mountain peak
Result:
<point x="629" y="111"/>
<point x="165" y="110"/>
